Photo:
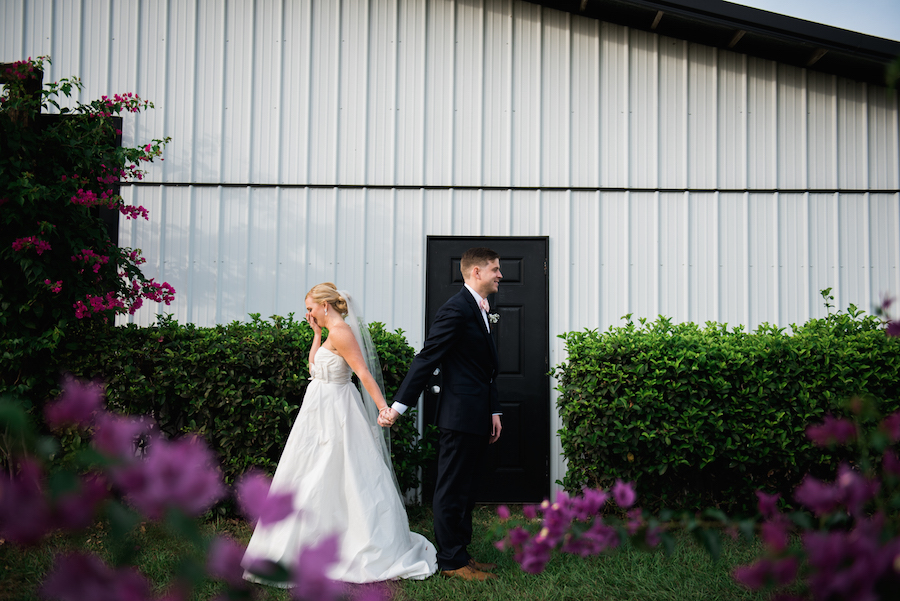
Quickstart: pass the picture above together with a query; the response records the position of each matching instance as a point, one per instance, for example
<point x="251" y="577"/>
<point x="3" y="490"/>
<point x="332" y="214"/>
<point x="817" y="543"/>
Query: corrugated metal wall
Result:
<point x="324" y="140"/>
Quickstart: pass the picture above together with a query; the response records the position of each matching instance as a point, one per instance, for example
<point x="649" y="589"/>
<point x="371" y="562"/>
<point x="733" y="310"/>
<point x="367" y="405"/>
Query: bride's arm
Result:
<point x="343" y="340"/>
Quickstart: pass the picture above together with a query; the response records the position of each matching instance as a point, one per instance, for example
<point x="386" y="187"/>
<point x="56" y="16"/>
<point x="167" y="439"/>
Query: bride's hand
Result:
<point x="313" y="324"/>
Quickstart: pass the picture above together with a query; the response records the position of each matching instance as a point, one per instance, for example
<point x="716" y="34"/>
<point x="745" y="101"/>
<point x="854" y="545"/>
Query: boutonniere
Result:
<point x="493" y="317"/>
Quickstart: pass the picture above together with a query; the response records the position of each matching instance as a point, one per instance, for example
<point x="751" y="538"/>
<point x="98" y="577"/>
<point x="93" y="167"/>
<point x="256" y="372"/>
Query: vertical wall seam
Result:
<point x="339" y="26"/>
<point x="281" y="108"/>
<point x="748" y="307"/>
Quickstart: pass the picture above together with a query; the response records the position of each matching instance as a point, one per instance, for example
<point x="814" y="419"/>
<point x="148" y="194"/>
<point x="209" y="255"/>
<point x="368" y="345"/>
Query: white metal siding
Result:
<point x="325" y="140"/>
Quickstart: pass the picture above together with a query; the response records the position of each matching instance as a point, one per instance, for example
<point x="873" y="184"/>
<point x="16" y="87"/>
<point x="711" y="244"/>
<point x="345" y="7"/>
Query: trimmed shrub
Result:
<point x="238" y="385"/>
<point x="702" y="417"/>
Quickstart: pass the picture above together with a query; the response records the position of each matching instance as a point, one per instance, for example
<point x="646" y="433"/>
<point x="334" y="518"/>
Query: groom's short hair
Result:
<point x="479" y="256"/>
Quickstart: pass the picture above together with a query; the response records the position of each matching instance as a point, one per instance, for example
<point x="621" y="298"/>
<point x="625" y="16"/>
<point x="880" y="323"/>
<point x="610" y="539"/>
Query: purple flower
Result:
<point x="75" y="510"/>
<point x="767" y="571"/>
<point x="180" y="474"/>
<point x="891" y="426"/>
<point x="529" y="511"/>
<point x="774" y="534"/>
<point x="623" y="494"/>
<point x="312" y="583"/>
<point x="832" y="431"/>
<point x="893" y="328"/>
<point x="76" y="405"/>
<point x="535" y="555"/>
<point x="503" y="512"/>
<point x="847" y="565"/>
<point x="115" y="435"/>
<point x="83" y="577"/>
<point x="589" y="503"/>
<point x="24" y="512"/>
<point x="891" y="462"/>
<point x="768" y="504"/>
<point x="257" y="503"/>
<point x="373" y="592"/>
<point x="856" y="490"/>
<point x="818" y="496"/>
<point x="224" y="561"/>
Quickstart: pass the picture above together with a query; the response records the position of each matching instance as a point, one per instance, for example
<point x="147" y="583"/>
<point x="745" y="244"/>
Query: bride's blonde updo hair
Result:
<point x="327" y="292"/>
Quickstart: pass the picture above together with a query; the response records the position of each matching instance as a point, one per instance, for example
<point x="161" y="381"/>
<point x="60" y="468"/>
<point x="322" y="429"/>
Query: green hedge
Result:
<point x="701" y="417"/>
<point x="238" y="385"/>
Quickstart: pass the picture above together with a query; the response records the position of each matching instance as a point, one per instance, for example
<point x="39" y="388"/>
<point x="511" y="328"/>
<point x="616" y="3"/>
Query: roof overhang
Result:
<point x="748" y="31"/>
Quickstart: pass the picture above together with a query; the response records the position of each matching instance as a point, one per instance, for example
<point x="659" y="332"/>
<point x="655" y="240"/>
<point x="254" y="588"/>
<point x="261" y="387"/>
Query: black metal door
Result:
<point x="517" y="469"/>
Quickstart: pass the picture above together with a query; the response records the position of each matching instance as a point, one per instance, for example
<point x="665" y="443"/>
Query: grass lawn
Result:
<point x="623" y="574"/>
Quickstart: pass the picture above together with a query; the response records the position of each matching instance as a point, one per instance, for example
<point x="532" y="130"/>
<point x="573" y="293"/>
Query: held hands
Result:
<point x="387" y="417"/>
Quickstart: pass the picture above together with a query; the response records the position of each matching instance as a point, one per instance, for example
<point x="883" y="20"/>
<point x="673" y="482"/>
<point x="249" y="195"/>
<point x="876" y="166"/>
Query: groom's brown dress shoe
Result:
<point x="468" y="573"/>
<point x="481" y="567"/>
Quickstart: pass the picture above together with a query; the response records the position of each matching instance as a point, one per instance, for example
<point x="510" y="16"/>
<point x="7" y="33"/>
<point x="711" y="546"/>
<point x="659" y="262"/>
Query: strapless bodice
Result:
<point x="329" y="367"/>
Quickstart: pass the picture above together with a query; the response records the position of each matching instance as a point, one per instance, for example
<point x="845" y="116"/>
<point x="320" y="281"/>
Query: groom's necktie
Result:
<point x="485" y="306"/>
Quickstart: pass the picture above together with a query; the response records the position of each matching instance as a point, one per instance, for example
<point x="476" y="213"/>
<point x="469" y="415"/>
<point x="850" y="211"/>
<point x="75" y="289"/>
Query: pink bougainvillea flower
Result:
<point x="774" y="534"/>
<point x="116" y="435"/>
<point x="822" y="498"/>
<point x="180" y="474"/>
<point x="81" y="576"/>
<point x="589" y="503"/>
<point x="310" y="572"/>
<point x="623" y="494"/>
<point x="258" y="504"/>
<point x="25" y="515"/>
<point x="768" y="504"/>
<point x="76" y="509"/>
<point x="224" y="561"/>
<point x="832" y="431"/>
<point x="856" y="490"/>
<point x="891" y="463"/>
<point x="503" y="512"/>
<point x="79" y="402"/>
<point x="767" y="572"/>
<point x="529" y="511"/>
<point x="890" y="425"/>
<point x="893" y="328"/>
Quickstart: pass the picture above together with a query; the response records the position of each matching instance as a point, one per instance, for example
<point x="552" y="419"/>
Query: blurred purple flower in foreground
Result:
<point x="573" y="525"/>
<point x="832" y="431"/>
<point x="768" y="504"/>
<point x="777" y="572"/>
<point x="891" y="426"/>
<point x="115" y="435"/>
<point x="258" y="504"/>
<point x="623" y="493"/>
<point x="850" y="489"/>
<point x="76" y="509"/>
<point x="180" y="474"/>
<point x="311" y="569"/>
<point x="224" y="561"/>
<point x="77" y="404"/>
<point x="24" y="511"/>
<point x="83" y="577"/>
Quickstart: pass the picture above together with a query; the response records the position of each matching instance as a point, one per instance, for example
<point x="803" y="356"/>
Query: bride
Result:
<point x="337" y="465"/>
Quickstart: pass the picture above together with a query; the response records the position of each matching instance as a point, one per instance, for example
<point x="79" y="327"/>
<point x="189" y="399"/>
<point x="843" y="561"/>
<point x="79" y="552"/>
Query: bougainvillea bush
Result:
<point x="60" y="166"/>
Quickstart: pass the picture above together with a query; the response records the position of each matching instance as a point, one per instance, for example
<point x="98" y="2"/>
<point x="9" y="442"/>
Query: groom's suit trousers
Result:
<point x="459" y="462"/>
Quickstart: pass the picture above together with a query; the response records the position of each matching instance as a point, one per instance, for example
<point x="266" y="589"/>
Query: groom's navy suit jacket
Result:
<point x="460" y="344"/>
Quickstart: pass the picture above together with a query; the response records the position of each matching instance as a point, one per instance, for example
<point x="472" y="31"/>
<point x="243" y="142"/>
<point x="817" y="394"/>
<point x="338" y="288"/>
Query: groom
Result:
<point x="468" y="412"/>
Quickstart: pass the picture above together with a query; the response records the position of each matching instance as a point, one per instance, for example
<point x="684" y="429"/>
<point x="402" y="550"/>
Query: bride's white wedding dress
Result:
<point x="334" y="464"/>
